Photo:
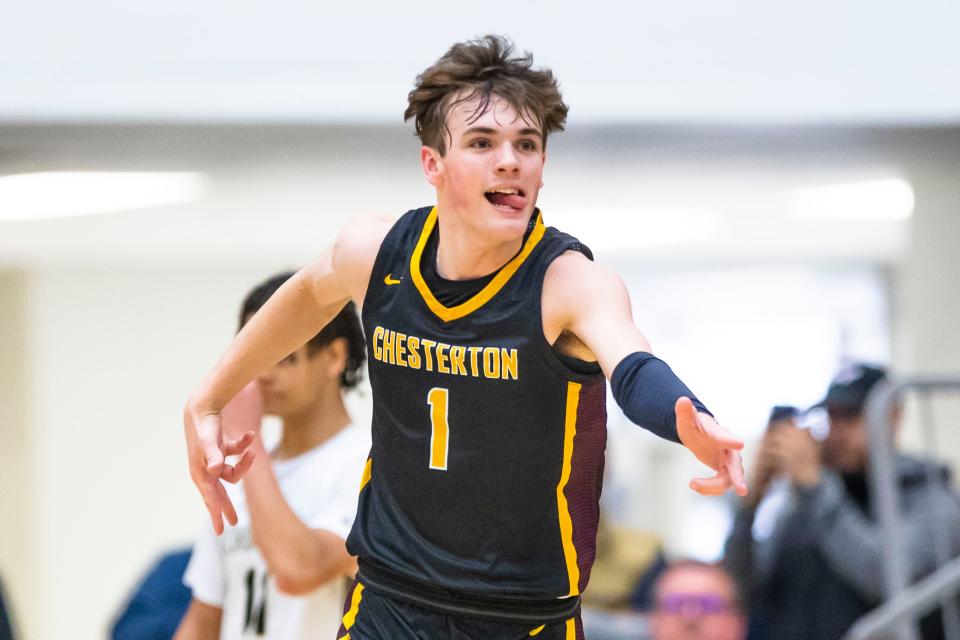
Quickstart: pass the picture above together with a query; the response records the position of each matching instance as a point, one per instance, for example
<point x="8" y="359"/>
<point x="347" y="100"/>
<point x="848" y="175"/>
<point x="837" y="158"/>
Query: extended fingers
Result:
<point x="236" y="447"/>
<point x="720" y="434"/>
<point x="216" y="518"/>
<point x="211" y="501"/>
<point x="218" y="504"/>
<point x="714" y="486"/>
<point x="727" y="440"/>
<point x="208" y="437"/>
<point x="729" y="475"/>
<point x="213" y="457"/>
<point x="734" y="469"/>
<point x="226" y="506"/>
<point x="233" y="474"/>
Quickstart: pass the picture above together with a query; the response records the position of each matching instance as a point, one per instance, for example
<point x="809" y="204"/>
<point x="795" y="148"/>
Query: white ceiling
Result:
<point x="753" y="61"/>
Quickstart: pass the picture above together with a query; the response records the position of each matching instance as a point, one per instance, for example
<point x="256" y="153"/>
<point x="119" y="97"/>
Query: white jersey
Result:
<point x="229" y="573"/>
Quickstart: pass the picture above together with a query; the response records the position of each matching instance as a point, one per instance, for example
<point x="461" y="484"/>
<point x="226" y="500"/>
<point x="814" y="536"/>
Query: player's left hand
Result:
<point x="712" y="445"/>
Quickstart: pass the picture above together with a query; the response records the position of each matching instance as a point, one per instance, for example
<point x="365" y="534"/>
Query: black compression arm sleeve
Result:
<point x="647" y="389"/>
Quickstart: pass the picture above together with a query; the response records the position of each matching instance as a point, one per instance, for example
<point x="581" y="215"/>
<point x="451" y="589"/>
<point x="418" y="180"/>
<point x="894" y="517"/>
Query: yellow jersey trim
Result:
<point x="484" y="295"/>
<point x="537" y="630"/>
<point x="367" y="472"/>
<point x="571" y="629"/>
<point x="351" y="616"/>
<point x="566" y="523"/>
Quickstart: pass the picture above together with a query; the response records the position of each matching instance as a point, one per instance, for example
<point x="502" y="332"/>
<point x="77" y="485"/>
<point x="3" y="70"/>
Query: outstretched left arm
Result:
<point x="589" y="307"/>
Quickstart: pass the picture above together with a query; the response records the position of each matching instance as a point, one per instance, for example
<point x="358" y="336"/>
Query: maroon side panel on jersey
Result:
<point x="586" y="474"/>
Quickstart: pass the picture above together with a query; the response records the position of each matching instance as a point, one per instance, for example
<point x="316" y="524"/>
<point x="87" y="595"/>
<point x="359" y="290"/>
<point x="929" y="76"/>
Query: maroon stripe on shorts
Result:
<point x="586" y="474"/>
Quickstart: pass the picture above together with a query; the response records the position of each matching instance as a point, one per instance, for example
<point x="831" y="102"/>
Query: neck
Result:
<point x="464" y="254"/>
<point x="313" y="426"/>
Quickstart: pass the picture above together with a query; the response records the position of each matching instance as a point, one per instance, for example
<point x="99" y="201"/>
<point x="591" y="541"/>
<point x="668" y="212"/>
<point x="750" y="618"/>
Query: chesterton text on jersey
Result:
<point x="495" y="363"/>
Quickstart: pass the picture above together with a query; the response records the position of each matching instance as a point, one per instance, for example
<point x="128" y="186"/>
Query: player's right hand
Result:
<point x="206" y="452"/>
<point x="713" y="445"/>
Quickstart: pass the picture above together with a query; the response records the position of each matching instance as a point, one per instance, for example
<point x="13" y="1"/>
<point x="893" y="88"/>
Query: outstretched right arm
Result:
<point x="294" y="314"/>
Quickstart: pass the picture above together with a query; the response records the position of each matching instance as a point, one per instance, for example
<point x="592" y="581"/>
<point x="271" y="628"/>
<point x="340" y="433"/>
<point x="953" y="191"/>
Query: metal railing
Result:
<point x="904" y="608"/>
<point x="897" y="617"/>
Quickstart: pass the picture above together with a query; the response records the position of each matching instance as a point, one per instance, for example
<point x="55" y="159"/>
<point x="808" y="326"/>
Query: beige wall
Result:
<point x="16" y="447"/>
<point x="112" y="355"/>
<point x="97" y="453"/>
<point x="927" y="287"/>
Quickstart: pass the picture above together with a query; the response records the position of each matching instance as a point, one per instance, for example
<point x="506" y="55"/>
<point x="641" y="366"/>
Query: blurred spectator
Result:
<point x="696" y="601"/>
<point x="159" y="602"/>
<point x="283" y="571"/>
<point x="819" y="567"/>
<point x="643" y="596"/>
<point x="625" y="559"/>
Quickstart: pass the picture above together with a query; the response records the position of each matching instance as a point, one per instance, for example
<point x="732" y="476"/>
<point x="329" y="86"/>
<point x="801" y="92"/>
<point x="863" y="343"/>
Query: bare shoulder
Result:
<point x="346" y="265"/>
<point x="588" y="306"/>
<point x="573" y="279"/>
<point x="355" y="251"/>
<point x="577" y="290"/>
<point x="360" y="239"/>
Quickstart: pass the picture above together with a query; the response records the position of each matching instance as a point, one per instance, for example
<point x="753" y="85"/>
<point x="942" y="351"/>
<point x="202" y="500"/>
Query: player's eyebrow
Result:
<point x="529" y="131"/>
<point x="487" y="131"/>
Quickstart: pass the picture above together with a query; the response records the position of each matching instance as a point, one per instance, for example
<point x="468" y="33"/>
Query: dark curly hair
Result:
<point x="344" y="325"/>
<point x="488" y="69"/>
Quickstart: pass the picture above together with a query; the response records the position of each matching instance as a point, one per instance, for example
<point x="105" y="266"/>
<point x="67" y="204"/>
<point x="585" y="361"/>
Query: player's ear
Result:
<point x="544" y="163"/>
<point x="432" y="163"/>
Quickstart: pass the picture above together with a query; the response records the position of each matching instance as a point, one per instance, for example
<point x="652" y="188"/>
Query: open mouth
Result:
<point x="508" y="198"/>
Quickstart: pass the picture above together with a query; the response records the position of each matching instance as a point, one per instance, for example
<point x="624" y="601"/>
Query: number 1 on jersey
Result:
<point x="440" y="435"/>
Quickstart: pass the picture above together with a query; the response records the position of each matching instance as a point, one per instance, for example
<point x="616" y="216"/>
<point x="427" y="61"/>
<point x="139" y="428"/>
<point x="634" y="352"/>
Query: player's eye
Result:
<point x="480" y="143"/>
<point x="529" y="145"/>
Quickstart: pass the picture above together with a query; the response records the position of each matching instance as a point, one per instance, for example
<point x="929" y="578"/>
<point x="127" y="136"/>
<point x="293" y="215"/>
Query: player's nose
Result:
<point x="507" y="158"/>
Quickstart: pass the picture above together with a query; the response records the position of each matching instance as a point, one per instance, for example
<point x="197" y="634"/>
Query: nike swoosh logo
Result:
<point x="389" y="280"/>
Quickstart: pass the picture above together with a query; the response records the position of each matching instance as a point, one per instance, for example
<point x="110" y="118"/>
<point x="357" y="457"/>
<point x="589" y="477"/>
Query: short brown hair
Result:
<point x="485" y="68"/>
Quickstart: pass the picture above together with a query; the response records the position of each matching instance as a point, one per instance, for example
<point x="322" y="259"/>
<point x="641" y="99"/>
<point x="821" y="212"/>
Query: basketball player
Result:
<point x="490" y="337"/>
<point x="281" y="573"/>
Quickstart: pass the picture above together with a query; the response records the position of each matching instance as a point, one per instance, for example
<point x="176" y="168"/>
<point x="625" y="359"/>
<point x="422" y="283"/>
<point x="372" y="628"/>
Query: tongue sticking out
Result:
<point x="507" y="200"/>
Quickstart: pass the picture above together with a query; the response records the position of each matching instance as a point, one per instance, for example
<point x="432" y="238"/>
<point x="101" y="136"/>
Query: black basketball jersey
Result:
<point x="487" y="461"/>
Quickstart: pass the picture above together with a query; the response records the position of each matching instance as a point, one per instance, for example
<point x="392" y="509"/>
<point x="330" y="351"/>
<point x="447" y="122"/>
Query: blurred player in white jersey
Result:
<point x="282" y="572"/>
